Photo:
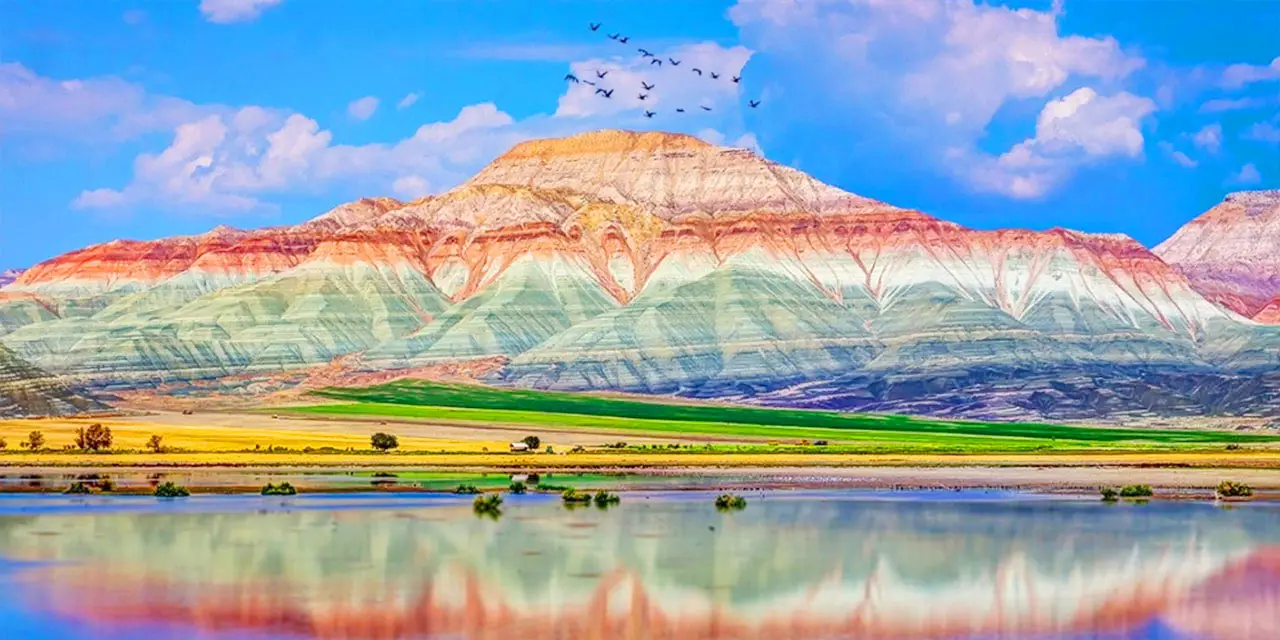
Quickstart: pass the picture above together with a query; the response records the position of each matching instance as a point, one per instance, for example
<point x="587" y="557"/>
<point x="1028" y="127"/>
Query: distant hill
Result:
<point x="28" y="391"/>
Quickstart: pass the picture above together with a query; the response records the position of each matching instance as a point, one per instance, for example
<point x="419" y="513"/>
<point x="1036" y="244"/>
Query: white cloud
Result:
<point x="409" y="100"/>
<point x="928" y="77"/>
<point x="1209" y="138"/>
<point x="86" y="109"/>
<point x="1177" y="156"/>
<point x="363" y="108"/>
<point x="1262" y="132"/>
<point x="411" y="187"/>
<point x="1240" y="75"/>
<point x="673" y="86"/>
<point x="228" y="11"/>
<point x="1081" y="128"/>
<point x="227" y="163"/>
<point x="1248" y="174"/>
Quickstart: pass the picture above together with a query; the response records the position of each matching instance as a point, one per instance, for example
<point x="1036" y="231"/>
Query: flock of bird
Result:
<point x="646" y="87"/>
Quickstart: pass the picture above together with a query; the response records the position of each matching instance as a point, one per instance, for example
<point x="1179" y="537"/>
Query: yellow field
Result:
<point x="133" y="434"/>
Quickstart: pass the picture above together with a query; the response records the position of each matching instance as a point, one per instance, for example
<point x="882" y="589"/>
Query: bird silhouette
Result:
<point x="643" y="96"/>
<point x="624" y="39"/>
<point x="706" y="108"/>
<point x="714" y="75"/>
<point x="679" y="109"/>
<point x="674" y="62"/>
<point x="589" y="82"/>
<point x="601" y="74"/>
<point x="644" y="53"/>
<point x="647" y="86"/>
<point x="595" y="26"/>
<point x="614" y="36"/>
<point x="648" y="114"/>
<point x="736" y="79"/>
<point x="753" y="103"/>
<point x="571" y="78"/>
<point x="607" y="94"/>
<point x="697" y="71"/>
<point x="657" y="61"/>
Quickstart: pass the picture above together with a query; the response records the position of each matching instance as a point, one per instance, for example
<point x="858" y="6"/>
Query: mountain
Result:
<point x="658" y="263"/>
<point x="1231" y="253"/>
<point x="27" y="391"/>
<point x="9" y="275"/>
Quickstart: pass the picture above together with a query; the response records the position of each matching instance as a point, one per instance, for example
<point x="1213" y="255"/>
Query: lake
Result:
<point x="662" y="564"/>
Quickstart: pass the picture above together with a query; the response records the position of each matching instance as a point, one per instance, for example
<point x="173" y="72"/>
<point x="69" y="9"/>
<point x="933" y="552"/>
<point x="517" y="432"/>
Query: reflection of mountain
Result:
<point x="783" y="568"/>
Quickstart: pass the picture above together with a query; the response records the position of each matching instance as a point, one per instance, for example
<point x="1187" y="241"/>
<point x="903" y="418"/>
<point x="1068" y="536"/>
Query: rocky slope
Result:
<point x="28" y="391"/>
<point x="655" y="263"/>
<point x="1231" y="253"/>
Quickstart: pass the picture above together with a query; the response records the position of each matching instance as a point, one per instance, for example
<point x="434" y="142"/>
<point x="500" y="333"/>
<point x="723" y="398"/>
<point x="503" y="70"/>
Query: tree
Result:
<point x="94" y="438"/>
<point x="156" y="443"/>
<point x="384" y="441"/>
<point x="3" y="444"/>
<point x="35" y="441"/>
<point x="532" y="441"/>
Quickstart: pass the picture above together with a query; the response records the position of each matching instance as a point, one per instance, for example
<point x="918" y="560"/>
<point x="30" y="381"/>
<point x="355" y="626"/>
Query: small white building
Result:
<point x="519" y="446"/>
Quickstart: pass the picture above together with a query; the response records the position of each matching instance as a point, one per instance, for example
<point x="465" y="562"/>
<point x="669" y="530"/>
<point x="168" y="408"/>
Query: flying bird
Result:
<point x="595" y="26"/>
<point x="736" y="79"/>
<point x="647" y="86"/>
<point x="614" y="36"/>
<point x="697" y="71"/>
<point x="706" y="108"/>
<point x="643" y="96"/>
<point x="679" y="109"/>
<point x="714" y="75"/>
<point x="644" y="53"/>
<point x="624" y="39"/>
<point x="648" y="114"/>
<point x="571" y="78"/>
<point x="589" y="82"/>
<point x="601" y="74"/>
<point x="657" y="61"/>
<point x="753" y="103"/>
<point x="674" y="62"/>
<point x="607" y="94"/>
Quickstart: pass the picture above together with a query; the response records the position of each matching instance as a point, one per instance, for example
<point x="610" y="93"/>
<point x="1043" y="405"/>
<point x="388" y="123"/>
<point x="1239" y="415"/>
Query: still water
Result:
<point x="797" y="564"/>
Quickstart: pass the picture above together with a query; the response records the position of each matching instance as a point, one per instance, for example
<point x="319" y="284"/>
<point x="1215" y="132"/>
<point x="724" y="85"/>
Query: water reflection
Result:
<point x="811" y="567"/>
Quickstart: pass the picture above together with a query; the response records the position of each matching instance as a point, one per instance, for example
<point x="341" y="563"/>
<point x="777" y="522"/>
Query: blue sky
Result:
<point x="146" y="119"/>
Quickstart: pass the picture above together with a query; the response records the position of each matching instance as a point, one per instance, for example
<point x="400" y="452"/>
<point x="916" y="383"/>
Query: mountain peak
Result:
<point x="604" y="141"/>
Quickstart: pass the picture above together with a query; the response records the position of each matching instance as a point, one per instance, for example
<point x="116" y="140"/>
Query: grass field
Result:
<point x="488" y="405"/>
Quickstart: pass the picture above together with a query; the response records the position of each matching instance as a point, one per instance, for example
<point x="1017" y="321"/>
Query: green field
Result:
<point x="566" y="411"/>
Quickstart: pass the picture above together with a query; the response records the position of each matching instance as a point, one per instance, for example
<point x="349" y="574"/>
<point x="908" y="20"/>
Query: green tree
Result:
<point x="35" y="441"/>
<point x="94" y="438"/>
<point x="156" y="443"/>
<point x="533" y="442"/>
<point x="384" y="441"/>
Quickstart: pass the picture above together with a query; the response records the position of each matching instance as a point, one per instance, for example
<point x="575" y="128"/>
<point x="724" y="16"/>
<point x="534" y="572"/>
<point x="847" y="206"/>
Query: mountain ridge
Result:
<point x="645" y="262"/>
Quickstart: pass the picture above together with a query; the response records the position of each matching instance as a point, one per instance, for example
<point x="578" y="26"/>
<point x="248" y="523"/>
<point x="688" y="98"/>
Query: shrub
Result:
<point x="606" y="498"/>
<point x="819" y="443"/>
<point x="282" y="489"/>
<point x="552" y="488"/>
<point x="1109" y="494"/>
<point x="171" y="490"/>
<point x="1234" y="446"/>
<point x="106" y="485"/>
<point x="34" y="441"/>
<point x="466" y="489"/>
<point x="533" y="442"/>
<point x="728" y="502"/>
<point x="517" y="488"/>
<point x="3" y="444"/>
<point x="549" y="449"/>
<point x="571" y="496"/>
<point x="490" y="505"/>
<point x="155" y="444"/>
<point x="1136" y="491"/>
<point x="384" y="441"/>
<point x="1231" y="489"/>
<point x="94" y="438"/>
<point x="77" y="488"/>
